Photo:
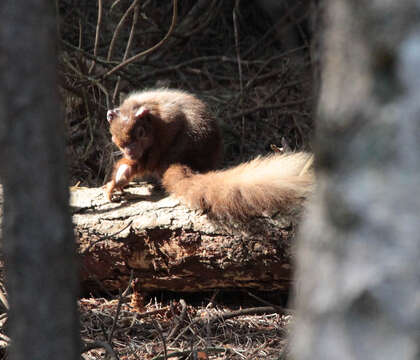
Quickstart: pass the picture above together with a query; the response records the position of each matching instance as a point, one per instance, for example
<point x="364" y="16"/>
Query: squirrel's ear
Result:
<point x="112" y="114"/>
<point x="140" y="112"/>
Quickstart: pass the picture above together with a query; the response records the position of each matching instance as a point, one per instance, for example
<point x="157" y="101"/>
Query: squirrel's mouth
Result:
<point x="132" y="154"/>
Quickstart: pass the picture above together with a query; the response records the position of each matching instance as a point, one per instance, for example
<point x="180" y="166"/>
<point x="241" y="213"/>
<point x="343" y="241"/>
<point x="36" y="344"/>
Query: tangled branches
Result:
<point x="228" y="52"/>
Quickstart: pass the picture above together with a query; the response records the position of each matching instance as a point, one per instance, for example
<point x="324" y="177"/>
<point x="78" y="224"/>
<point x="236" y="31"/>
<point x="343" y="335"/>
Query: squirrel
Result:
<point x="157" y="128"/>
<point x="171" y="135"/>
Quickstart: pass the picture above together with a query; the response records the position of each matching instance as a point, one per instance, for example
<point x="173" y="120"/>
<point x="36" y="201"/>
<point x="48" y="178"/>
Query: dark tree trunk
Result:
<point x="358" y="259"/>
<point x="37" y="233"/>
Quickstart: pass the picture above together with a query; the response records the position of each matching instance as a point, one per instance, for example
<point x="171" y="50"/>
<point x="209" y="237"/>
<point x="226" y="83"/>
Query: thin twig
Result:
<point x="229" y="315"/>
<point x="117" y="313"/>
<point x="127" y="49"/>
<point x="87" y="77"/>
<point x="249" y="311"/>
<point x="204" y="24"/>
<point x="241" y="83"/>
<point x="115" y="3"/>
<point x="80" y="34"/>
<point x="275" y="27"/>
<point x="98" y="28"/>
<point x="269" y="107"/>
<point x="118" y="28"/>
<point x="106" y="237"/>
<point x="152" y="312"/>
<point x="162" y="338"/>
<point x="184" y="354"/>
<point x="153" y="48"/>
<point x="114" y="322"/>
<point x="125" y="293"/>
<point x="213" y="297"/>
<point x="88" y="55"/>
<point x="176" y="67"/>
<point x="180" y="320"/>
<point x="265" y="302"/>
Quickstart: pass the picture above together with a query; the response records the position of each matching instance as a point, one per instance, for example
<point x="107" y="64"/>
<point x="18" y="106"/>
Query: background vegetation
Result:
<point x="250" y="61"/>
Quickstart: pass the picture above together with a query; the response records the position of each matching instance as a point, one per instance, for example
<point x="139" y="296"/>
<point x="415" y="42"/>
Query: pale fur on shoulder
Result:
<point x="275" y="183"/>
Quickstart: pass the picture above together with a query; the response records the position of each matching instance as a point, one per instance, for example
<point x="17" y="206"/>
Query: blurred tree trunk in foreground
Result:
<point x="362" y="232"/>
<point x="37" y="233"/>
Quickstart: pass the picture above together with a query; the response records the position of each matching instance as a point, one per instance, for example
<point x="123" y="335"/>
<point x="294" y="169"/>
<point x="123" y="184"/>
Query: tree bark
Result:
<point x="358" y="259"/>
<point x="171" y="247"/>
<point x="37" y="234"/>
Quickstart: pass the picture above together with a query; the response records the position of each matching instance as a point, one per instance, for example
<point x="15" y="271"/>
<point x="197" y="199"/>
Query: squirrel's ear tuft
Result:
<point x="140" y="112"/>
<point x="112" y="114"/>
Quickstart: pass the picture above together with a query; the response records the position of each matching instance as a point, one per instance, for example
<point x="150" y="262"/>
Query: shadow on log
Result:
<point x="171" y="247"/>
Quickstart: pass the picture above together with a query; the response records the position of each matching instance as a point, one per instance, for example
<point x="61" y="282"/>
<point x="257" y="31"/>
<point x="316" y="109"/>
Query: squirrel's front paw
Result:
<point x="109" y="189"/>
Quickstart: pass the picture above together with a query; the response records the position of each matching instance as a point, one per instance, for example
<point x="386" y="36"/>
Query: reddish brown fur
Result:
<point x="276" y="183"/>
<point x="178" y="128"/>
<point x="177" y="140"/>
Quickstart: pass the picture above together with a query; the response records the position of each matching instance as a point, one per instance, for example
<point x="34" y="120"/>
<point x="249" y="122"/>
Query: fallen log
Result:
<point x="168" y="246"/>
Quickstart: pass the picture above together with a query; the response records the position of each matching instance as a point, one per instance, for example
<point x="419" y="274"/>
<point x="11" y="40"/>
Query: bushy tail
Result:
<point x="275" y="183"/>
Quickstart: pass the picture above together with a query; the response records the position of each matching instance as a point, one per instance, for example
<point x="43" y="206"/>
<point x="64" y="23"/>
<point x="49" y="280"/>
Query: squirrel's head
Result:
<point x="131" y="130"/>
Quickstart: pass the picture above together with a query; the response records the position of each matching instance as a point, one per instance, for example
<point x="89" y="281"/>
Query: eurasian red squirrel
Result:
<point x="171" y="135"/>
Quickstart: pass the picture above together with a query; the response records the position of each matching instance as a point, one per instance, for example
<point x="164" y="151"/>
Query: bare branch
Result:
<point x="153" y="48"/>
<point x="118" y="28"/>
<point x="241" y="83"/>
<point x="98" y="28"/>
<point x="127" y="49"/>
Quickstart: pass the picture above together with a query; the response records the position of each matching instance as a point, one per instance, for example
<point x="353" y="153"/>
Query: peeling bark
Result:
<point x="171" y="247"/>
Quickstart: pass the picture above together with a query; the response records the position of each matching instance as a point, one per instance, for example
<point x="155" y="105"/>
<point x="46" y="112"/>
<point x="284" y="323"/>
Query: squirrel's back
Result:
<point x="175" y="106"/>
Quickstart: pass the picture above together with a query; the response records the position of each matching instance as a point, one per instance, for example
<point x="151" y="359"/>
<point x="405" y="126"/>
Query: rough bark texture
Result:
<point x="358" y="261"/>
<point x="37" y="235"/>
<point x="171" y="247"/>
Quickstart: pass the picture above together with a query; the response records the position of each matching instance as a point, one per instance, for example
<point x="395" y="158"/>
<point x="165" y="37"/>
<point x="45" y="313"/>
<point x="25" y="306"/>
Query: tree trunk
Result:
<point x="37" y="234"/>
<point x="171" y="247"/>
<point x="358" y="259"/>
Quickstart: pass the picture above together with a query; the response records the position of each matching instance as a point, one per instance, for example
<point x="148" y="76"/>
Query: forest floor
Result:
<point x="179" y="330"/>
<point x="217" y="325"/>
